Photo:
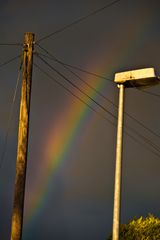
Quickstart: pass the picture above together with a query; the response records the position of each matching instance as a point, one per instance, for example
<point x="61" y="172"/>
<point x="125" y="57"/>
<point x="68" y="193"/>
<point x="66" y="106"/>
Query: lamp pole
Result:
<point x="118" y="167"/>
<point x="139" y="78"/>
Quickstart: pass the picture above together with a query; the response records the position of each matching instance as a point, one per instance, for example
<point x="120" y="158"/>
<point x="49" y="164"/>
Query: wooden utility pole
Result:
<point x="21" y="164"/>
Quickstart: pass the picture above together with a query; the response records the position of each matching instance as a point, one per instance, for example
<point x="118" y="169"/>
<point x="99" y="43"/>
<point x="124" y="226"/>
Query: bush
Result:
<point x="140" y="229"/>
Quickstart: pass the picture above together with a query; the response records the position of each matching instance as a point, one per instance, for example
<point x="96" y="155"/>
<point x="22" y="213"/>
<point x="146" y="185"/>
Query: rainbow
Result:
<point x="62" y="137"/>
<point x="64" y="133"/>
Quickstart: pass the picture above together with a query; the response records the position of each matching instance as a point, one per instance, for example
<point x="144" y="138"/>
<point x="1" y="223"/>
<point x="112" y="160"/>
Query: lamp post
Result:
<point x="140" y="78"/>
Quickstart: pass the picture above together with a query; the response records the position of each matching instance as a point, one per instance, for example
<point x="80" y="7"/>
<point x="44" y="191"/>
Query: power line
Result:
<point x="68" y="65"/>
<point x="9" y="61"/>
<point x="99" y="93"/>
<point x="67" y="89"/>
<point x="141" y="124"/>
<point x="146" y="146"/>
<point x="77" y="68"/>
<point x="86" y="71"/>
<point x="127" y="133"/>
<point x="149" y="142"/>
<point x="99" y="105"/>
<point x="10" y="116"/>
<point x="74" y="85"/>
<point x="150" y="93"/>
<point x="78" y="20"/>
<point x="10" y="44"/>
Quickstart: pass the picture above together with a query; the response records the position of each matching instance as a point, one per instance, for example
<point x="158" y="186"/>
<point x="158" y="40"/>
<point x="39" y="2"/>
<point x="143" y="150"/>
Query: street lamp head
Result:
<point x="140" y="78"/>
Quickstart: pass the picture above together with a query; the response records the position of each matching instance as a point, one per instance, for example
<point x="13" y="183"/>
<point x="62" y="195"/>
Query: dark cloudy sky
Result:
<point x="74" y="200"/>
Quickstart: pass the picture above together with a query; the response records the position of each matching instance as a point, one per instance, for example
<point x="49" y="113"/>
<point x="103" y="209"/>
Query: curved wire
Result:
<point x="78" y="21"/>
<point x="9" y="61"/>
<point x="101" y="115"/>
<point x="99" y="105"/>
<point x="10" y="116"/>
<point x="150" y="93"/>
<point x="67" y="89"/>
<point x="51" y="57"/>
<point x="75" y="86"/>
<point x="99" y="93"/>
<point x="11" y="44"/>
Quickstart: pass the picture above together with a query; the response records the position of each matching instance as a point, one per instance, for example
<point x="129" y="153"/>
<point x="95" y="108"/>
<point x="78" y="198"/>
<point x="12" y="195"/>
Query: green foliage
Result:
<point x="140" y="229"/>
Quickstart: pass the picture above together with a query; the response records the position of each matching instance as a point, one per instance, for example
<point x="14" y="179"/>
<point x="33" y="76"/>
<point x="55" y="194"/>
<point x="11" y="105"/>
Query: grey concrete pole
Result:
<point x="118" y="167"/>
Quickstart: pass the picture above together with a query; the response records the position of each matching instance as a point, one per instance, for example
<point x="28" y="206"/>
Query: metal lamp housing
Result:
<point x="140" y="78"/>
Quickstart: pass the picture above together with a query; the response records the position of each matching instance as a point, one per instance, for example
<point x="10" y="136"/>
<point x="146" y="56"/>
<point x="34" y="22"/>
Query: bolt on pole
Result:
<point x="118" y="167"/>
<point x="21" y="163"/>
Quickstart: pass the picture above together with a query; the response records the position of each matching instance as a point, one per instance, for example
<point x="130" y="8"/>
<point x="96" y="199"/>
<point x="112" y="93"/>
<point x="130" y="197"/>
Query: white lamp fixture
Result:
<point x="137" y="78"/>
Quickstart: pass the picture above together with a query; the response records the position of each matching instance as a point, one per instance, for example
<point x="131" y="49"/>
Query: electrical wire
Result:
<point x="78" y="21"/>
<point x="10" y="116"/>
<point x="74" y="85"/>
<point x="67" y="89"/>
<point x="99" y="105"/>
<point x="68" y="65"/>
<point x="142" y="124"/>
<point x="9" y="61"/>
<point x="99" y="93"/>
<point x="150" y="93"/>
<point x="101" y="115"/>
<point x="85" y="71"/>
<point x="11" y="44"/>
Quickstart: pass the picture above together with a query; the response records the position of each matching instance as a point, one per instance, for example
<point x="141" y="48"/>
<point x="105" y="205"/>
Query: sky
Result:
<point x="71" y="152"/>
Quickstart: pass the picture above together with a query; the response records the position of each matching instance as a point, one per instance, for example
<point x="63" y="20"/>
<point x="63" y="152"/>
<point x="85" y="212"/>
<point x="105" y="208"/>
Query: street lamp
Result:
<point x="140" y="78"/>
